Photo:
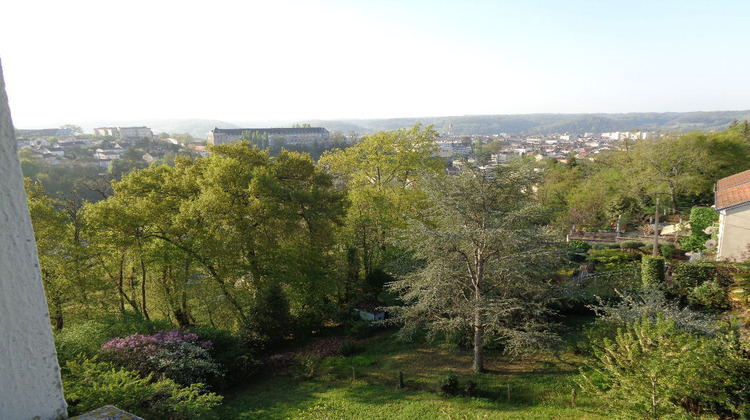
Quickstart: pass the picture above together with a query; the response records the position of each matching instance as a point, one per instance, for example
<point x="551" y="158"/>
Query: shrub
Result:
<point x="611" y="259"/>
<point x="90" y="384"/>
<point x="652" y="272"/>
<point x="651" y="302"/>
<point x="577" y="251"/>
<point x="667" y="251"/>
<point x="579" y="246"/>
<point x="86" y="338"/>
<point x="306" y="366"/>
<point x="470" y="388"/>
<point x="236" y="362"/>
<point x="641" y="368"/>
<point x="269" y="320"/>
<point x="130" y="322"/>
<point x="700" y="219"/>
<point x="361" y="328"/>
<point x="688" y="276"/>
<point x="449" y="384"/>
<point x="631" y="245"/>
<point x="173" y="353"/>
<point x="80" y="339"/>
<point x="709" y="295"/>
<point x="654" y="368"/>
<point x="348" y="348"/>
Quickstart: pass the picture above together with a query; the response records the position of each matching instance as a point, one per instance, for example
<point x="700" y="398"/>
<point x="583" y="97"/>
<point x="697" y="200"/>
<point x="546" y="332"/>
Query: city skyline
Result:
<point x="82" y="61"/>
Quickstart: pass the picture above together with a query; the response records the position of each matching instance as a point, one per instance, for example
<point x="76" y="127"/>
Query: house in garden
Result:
<point x="733" y="206"/>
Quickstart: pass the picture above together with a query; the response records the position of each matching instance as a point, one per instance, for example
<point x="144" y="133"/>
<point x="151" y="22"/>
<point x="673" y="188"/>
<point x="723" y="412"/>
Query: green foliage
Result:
<point x="654" y="369"/>
<point x="710" y="296"/>
<point x="172" y="354"/>
<point x="577" y="251"/>
<point x="90" y="384"/>
<point x="449" y="384"/>
<point x="269" y="320"/>
<point x="235" y="359"/>
<point x="667" y="251"/>
<point x="704" y="284"/>
<point x="689" y="275"/>
<point x="348" y="348"/>
<point x="700" y="219"/>
<point x="612" y="259"/>
<point x="651" y="303"/>
<point x="641" y="368"/>
<point x="376" y="281"/>
<point x="488" y="222"/>
<point x="652" y="272"/>
<point x="86" y="338"/>
<point x="306" y="366"/>
<point x="631" y="245"/>
<point x="579" y="246"/>
<point x="80" y="339"/>
<point x="383" y="173"/>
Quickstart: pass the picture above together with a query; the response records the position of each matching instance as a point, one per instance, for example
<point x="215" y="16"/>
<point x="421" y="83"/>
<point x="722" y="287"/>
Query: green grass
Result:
<point x="538" y="386"/>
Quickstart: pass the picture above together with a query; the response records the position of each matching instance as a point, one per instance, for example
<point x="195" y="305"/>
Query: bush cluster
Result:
<point x="173" y="353"/>
<point x="90" y="384"/>
<point x="451" y="385"/>
<point x="703" y="284"/>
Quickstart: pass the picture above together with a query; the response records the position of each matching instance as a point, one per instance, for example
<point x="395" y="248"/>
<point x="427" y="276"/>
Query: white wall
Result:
<point x="734" y="234"/>
<point x="30" y="385"/>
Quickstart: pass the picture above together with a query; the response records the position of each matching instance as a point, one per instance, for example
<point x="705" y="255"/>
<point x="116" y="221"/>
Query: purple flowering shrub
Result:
<point x="173" y="354"/>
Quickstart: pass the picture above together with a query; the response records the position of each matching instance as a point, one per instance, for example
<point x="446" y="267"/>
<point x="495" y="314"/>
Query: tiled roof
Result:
<point x="733" y="180"/>
<point x="733" y="196"/>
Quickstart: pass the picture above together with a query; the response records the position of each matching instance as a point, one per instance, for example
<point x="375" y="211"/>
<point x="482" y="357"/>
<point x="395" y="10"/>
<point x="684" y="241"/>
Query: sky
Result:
<point x="75" y="61"/>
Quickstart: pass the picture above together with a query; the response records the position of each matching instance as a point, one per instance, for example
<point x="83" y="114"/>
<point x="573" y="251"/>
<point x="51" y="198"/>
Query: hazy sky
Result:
<point x="77" y="61"/>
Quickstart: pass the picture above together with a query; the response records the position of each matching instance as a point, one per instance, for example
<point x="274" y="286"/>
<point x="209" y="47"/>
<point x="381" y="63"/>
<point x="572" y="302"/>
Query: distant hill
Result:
<point x="477" y="124"/>
<point x="552" y="123"/>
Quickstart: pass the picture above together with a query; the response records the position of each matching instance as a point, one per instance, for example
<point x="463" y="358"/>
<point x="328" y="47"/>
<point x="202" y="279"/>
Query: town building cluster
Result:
<point x="553" y="146"/>
<point x="110" y="143"/>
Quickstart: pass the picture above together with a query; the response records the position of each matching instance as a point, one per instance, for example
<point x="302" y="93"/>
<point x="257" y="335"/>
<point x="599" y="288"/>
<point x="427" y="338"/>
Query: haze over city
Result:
<point x="72" y="62"/>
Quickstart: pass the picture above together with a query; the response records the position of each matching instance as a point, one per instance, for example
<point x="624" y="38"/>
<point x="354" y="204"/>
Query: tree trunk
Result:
<point x="57" y="313"/>
<point x="478" y="321"/>
<point x="143" y="287"/>
<point x="120" y="285"/>
<point x="673" y="197"/>
<point x="478" y="338"/>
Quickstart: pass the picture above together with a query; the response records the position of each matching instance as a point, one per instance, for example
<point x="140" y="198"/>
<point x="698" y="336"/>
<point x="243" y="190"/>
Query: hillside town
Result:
<point x="60" y="146"/>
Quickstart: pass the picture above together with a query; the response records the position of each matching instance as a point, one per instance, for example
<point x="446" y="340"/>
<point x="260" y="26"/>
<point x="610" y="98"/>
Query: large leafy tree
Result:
<point x="64" y="256"/>
<point x="233" y="222"/>
<point x="486" y="251"/>
<point x="382" y="174"/>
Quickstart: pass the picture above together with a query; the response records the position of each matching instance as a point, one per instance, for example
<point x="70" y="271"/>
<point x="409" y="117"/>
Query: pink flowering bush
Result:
<point x="173" y="354"/>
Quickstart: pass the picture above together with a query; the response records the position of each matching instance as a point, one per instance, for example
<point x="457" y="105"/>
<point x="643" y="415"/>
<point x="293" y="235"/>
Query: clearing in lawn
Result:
<point x="366" y="386"/>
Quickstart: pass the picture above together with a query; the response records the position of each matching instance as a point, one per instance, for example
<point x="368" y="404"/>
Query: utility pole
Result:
<point x="656" y="230"/>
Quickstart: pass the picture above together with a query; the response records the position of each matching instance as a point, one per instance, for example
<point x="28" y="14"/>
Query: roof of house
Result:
<point x="733" y="180"/>
<point x="733" y="191"/>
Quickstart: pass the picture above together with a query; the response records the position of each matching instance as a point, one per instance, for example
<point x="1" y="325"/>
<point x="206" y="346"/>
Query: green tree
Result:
<point x="486" y="251"/>
<point x="232" y="222"/>
<point x="382" y="174"/>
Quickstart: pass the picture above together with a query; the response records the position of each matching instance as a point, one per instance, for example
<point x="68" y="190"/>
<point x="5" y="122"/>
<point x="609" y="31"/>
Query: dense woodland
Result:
<point x="183" y="279"/>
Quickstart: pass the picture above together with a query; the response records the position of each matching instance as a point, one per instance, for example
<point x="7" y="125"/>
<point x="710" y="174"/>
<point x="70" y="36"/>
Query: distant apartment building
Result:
<point x="289" y="135"/>
<point x="125" y="133"/>
<point x="45" y="132"/>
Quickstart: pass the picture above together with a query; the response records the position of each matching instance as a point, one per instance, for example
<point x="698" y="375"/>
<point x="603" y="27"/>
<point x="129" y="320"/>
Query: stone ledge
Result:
<point x="108" y="412"/>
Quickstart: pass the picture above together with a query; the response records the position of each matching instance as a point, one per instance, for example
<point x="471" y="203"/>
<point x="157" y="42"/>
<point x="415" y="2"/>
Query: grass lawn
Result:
<point x="537" y="386"/>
